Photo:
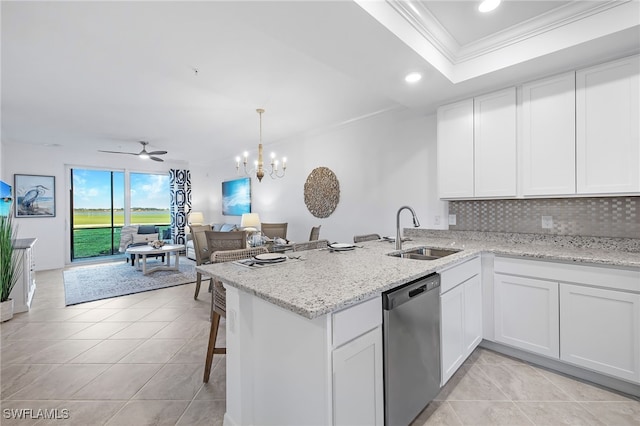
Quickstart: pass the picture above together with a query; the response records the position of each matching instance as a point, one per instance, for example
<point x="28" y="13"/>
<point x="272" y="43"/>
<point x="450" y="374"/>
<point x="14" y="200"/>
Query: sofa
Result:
<point x="139" y="235"/>
<point x="220" y="227"/>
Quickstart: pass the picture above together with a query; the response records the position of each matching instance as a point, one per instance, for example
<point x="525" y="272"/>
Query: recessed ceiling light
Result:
<point x="488" y="5"/>
<point x="413" y="77"/>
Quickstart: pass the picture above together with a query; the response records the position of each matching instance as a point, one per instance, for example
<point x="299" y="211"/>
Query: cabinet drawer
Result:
<point x="356" y="320"/>
<point x="614" y="278"/>
<point x="458" y="274"/>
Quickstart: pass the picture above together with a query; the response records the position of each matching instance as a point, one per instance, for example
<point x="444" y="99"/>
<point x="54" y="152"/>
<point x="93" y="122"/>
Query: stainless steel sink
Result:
<point x="424" y="253"/>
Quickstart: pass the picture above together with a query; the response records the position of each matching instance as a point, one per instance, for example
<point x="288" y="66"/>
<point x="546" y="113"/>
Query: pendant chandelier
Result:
<point x="259" y="164"/>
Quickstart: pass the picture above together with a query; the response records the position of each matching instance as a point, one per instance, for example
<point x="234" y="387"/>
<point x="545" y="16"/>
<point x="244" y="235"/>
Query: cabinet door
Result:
<point x="452" y="339"/>
<point x="548" y="136"/>
<point x="600" y="330"/>
<point x="455" y="150"/>
<point x="608" y="129"/>
<point x="495" y="144"/>
<point x="526" y="314"/>
<point x="357" y="381"/>
<point x="21" y="290"/>
<point x="472" y="314"/>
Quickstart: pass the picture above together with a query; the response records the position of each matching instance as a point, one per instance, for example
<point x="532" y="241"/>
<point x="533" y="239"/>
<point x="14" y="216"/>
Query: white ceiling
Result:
<point x="188" y="76"/>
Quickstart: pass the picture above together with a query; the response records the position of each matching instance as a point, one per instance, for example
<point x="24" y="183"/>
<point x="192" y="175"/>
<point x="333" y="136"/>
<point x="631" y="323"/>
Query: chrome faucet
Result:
<point x="416" y="223"/>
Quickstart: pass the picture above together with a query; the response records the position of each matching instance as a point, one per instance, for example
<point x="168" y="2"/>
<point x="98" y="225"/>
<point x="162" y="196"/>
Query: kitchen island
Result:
<point x="304" y="337"/>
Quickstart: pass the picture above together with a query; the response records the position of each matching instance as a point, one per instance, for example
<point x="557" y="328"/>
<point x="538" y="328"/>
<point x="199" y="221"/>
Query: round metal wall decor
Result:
<point x="321" y="192"/>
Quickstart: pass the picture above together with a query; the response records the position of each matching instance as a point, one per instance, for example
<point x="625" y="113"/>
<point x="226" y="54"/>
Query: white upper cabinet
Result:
<point x="455" y="150"/>
<point x="608" y="129"/>
<point x="477" y="147"/>
<point x="495" y="144"/>
<point x="548" y="136"/>
<point x="573" y="134"/>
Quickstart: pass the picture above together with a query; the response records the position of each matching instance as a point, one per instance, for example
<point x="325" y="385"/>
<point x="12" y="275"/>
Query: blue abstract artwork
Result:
<point x="5" y="198"/>
<point x="236" y="197"/>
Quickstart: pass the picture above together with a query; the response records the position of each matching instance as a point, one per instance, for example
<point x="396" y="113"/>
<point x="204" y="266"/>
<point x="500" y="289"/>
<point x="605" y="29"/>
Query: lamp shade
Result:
<point x="250" y="220"/>
<point x="196" y="218"/>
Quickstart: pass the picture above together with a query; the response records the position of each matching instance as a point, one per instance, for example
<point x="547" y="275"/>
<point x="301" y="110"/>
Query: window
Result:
<point x="102" y="204"/>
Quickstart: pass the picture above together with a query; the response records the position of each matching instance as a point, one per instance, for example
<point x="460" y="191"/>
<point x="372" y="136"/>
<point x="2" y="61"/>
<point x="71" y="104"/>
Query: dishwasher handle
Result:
<point x="400" y="295"/>
<point x="417" y="291"/>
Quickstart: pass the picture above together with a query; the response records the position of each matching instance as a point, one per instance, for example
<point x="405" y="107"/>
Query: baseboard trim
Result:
<point x="564" y="368"/>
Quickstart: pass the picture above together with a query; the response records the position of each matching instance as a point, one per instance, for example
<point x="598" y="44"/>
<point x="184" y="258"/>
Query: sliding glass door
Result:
<point x="102" y="201"/>
<point x="97" y="212"/>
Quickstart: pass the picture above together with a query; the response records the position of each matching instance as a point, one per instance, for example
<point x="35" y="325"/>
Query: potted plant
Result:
<point x="10" y="265"/>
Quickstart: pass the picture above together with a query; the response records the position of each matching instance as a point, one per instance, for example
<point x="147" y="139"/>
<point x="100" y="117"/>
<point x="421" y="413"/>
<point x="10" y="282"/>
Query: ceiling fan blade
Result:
<point x="156" y="159"/>
<point x="118" y="152"/>
<point x="157" y="152"/>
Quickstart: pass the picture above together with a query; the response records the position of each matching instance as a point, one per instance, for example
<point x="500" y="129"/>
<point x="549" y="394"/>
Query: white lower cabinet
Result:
<point x="22" y="293"/>
<point x="452" y="332"/>
<point x="600" y="330"/>
<point x="285" y="369"/>
<point x="586" y="315"/>
<point x="357" y="381"/>
<point x="526" y="314"/>
<point x="472" y="313"/>
<point x="460" y="315"/>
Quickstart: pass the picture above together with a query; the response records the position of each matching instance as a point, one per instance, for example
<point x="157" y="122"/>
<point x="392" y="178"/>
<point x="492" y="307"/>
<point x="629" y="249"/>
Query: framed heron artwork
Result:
<point x="35" y="196"/>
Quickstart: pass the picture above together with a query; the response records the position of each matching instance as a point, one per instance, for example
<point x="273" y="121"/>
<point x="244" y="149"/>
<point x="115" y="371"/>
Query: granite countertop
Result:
<point x="325" y="281"/>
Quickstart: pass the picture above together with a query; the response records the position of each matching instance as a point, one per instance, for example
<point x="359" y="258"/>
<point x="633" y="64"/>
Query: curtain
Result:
<point x="180" y="182"/>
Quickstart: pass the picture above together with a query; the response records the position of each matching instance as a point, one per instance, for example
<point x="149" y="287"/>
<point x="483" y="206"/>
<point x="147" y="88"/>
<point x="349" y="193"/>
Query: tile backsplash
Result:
<point x="600" y="217"/>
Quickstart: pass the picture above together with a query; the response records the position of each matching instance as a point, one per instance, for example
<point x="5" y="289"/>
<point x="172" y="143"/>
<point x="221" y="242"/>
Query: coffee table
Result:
<point x="141" y="253"/>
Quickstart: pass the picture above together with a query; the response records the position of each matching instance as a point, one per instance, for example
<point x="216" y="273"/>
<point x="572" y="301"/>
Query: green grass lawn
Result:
<point x="97" y="218"/>
<point x="94" y="242"/>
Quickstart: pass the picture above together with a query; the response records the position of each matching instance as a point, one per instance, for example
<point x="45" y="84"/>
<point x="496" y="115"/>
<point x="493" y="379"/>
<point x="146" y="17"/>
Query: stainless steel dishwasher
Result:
<point x="411" y="339"/>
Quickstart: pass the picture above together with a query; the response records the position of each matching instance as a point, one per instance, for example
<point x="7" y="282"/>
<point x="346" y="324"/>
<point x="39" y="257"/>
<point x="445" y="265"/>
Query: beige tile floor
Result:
<point x="139" y="360"/>
<point x="492" y="389"/>
<point x="132" y="360"/>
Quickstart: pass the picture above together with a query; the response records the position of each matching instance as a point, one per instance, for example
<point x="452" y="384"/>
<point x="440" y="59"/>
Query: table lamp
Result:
<point x="196" y="218"/>
<point x="250" y="222"/>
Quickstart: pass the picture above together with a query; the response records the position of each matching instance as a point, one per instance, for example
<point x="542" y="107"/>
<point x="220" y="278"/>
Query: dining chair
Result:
<point x="274" y="230"/>
<point x="201" y="249"/>
<point x="225" y="240"/>
<point x="365" y="237"/>
<point x="315" y="233"/>
<point x="219" y="300"/>
<point x="311" y="245"/>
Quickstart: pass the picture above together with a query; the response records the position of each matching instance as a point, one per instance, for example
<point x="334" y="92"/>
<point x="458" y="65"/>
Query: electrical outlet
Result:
<point x="547" y="222"/>
<point x="436" y="220"/>
<point x="452" y="219"/>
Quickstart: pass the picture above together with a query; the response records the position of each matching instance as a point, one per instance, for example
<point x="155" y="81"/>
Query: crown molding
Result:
<point x="567" y="25"/>
<point x="426" y="24"/>
<point x="551" y="20"/>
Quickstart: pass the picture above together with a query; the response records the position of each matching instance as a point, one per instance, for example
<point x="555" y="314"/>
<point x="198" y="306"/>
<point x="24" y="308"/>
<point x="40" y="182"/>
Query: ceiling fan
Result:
<point x="142" y="154"/>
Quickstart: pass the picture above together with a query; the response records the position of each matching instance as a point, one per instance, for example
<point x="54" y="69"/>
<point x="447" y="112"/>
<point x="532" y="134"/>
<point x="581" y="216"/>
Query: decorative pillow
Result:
<point x="144" y="238"/>
<point x="126" y="236"/>
<point x="166" y="234"/>
<point x="147" y="229"/>
<point x="228" y="227"/>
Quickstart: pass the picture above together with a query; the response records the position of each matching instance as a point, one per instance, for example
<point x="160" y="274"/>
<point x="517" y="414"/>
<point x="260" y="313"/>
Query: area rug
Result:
<point x="95" y="282"/>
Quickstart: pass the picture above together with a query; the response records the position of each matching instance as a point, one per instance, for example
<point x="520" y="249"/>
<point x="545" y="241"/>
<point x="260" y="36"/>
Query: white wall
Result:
<point x="52" y="248"/>
<point x="382" y="163"/>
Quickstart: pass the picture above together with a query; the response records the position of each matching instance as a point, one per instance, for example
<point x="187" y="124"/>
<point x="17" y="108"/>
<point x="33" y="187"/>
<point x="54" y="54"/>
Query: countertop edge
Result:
<point x="468" y="250"/>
